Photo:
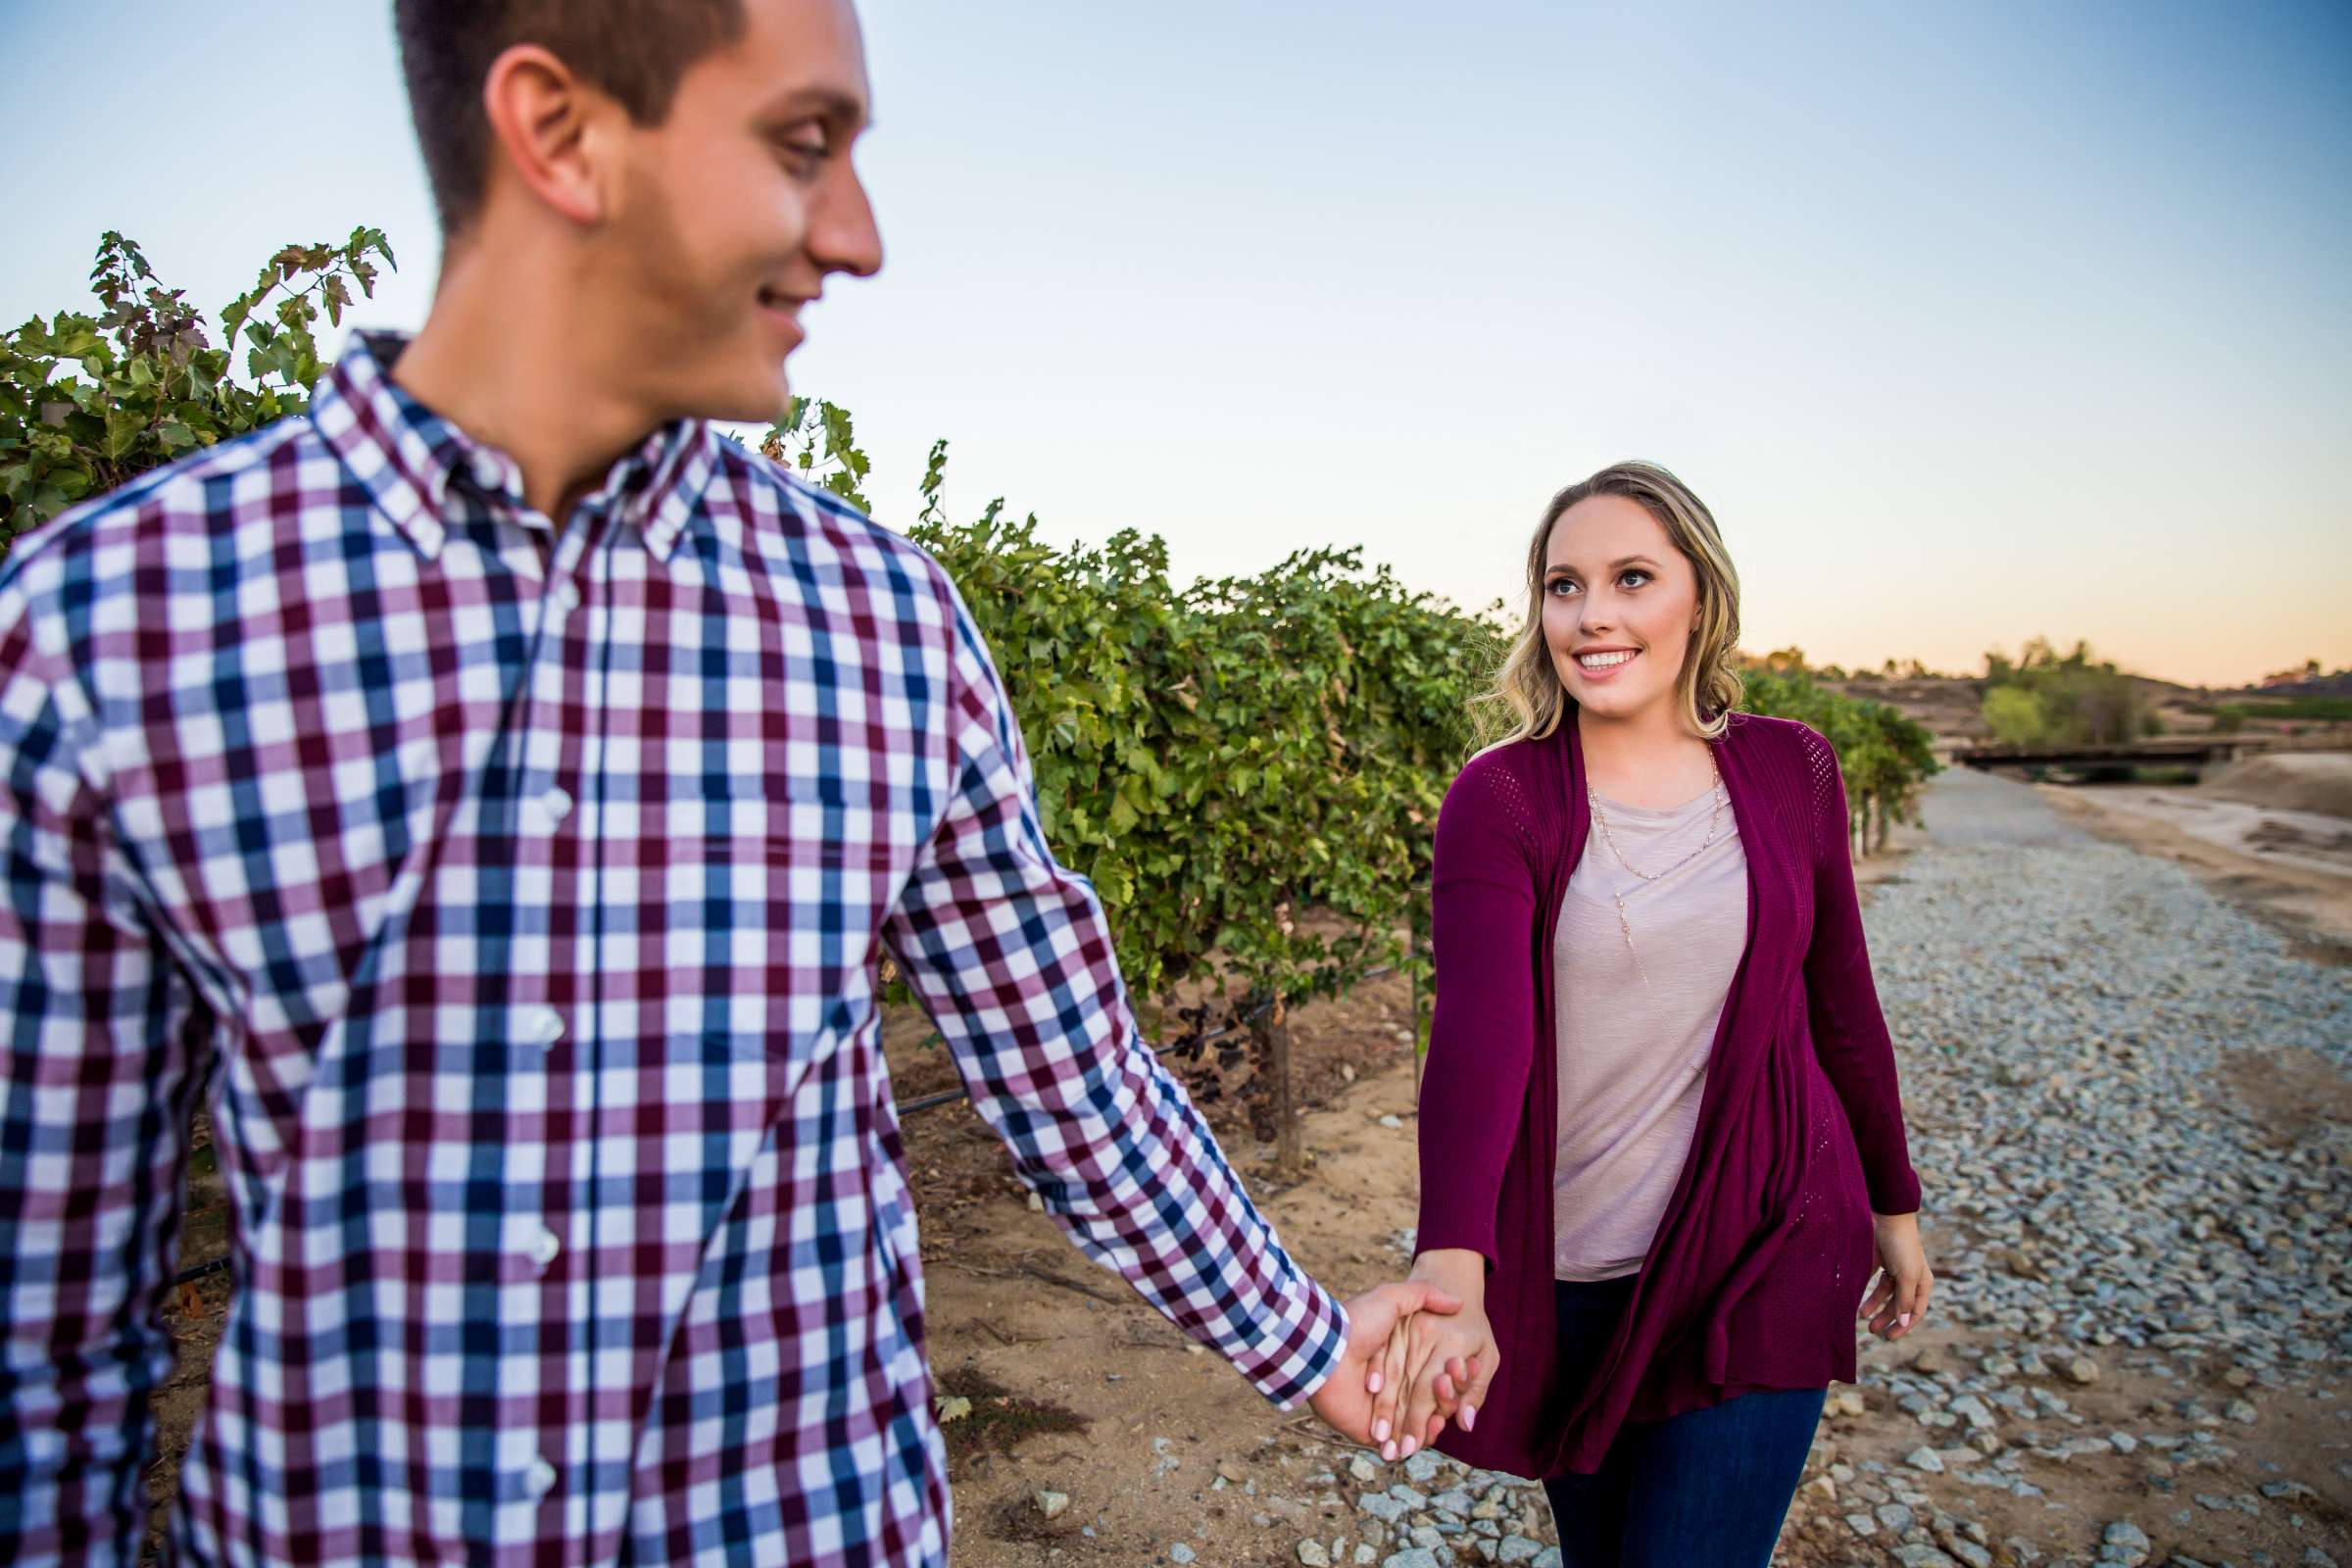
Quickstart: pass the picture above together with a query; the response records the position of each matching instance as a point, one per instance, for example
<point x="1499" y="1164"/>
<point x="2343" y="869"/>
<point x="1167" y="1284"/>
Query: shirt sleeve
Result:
<point x="1010" y="953"/>
<point x="1849" y="1032"/>
<point x="1483" y="1032"/>
<point x="95" y="1091"/>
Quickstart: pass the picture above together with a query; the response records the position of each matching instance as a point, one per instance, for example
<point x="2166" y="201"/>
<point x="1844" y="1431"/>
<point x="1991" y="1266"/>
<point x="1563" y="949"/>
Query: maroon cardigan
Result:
<point x="1757" y="1272"/>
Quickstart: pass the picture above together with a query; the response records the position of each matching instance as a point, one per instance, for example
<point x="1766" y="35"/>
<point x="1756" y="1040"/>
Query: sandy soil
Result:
<point x="2317" y="782"/>
<point x="2290" y="869"/>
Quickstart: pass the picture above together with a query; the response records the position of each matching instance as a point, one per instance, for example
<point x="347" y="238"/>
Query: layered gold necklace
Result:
<point x="1602" y="819"/>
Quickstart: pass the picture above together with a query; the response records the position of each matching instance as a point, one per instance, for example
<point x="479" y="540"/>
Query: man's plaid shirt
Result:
<point x="513" y="899"/>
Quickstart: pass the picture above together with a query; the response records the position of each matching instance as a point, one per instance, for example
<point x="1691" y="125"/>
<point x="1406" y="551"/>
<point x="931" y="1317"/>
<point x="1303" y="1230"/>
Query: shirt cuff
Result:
<point x="1300" y="1349"/>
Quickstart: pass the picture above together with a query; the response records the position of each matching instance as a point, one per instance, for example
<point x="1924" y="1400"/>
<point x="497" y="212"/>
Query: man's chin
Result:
<point x="757" y="398"/>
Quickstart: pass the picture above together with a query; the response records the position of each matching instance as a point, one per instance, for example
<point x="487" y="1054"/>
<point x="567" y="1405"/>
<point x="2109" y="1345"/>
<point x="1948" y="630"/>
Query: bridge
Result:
<point x="2178" y="751"/>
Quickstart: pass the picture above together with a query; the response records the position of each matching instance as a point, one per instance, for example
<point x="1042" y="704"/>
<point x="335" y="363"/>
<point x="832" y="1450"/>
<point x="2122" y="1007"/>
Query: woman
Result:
<point x="1661" y="1142"/>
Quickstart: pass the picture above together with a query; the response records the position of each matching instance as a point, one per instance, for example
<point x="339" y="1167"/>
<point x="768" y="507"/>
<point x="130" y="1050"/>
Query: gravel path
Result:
<point x="2129" y="1110"/>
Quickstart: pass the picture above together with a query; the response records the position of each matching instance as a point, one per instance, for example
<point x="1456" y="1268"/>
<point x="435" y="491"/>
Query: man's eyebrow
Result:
<point x="825" y="103"/>
<point x="1619" y="565"/>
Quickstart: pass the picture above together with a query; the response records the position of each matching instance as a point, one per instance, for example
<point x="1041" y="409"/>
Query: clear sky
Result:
<point x="1970" y="324"/>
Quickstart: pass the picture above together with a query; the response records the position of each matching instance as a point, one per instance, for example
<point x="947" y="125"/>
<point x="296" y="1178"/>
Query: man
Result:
<point x="492" y="793"/>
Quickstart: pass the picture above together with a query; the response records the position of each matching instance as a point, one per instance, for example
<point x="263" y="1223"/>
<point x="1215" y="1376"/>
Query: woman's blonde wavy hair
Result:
<point x="1527" y="700"/>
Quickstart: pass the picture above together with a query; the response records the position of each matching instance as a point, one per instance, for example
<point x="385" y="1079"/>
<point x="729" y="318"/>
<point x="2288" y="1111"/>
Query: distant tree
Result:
<point x="2014" y="716"/>
<point x="2080" y="699"/>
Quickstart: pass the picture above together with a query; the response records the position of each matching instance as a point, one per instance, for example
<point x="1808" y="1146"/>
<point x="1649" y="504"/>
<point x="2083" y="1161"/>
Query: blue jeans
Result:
<point x="1707" y="1489"/>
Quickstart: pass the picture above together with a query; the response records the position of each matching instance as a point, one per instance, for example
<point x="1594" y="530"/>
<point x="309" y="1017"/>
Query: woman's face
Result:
<point x="1620" y="603"/>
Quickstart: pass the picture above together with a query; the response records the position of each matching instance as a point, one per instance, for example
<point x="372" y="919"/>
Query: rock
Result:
<point x="2123" y="1442"/>
<point x="2083" y="1369"/>
<point x="1181" y="1553"/>
<point x="1381" y="1506"/>
<point x="2240" y="1410"/>
<point x="1924" y="1459"/>
<point x="1862" y="1524"/>
<point x="1231" y="1472"/>
<point x="1517" y="1549"/>
<point x="1928" y="1361"/>
<point x="1423" y="1467"/>
<point x="1312" y="1555"/>
<point x="2126" y="1542"/>
<point x="1362" y="1469"/>
<point x="1051" y="1503"/>
<point x="1392" y="1123"/>
<point x="1411" y="1557"/>
<point x="1972" y="1410"/>
<point x="1921" y="1555"/>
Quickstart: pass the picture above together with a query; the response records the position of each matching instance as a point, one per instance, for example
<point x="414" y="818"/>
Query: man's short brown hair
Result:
<point x="633" y="50"/>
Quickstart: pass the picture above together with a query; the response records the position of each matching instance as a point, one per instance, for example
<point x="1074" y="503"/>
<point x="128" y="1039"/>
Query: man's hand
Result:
<point x="1345" y="1400"/>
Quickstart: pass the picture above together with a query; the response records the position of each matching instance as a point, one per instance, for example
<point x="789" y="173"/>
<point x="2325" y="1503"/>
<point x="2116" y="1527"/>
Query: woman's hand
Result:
<point x="1899" y="1301"/>
<point x="1437" y="1368"/>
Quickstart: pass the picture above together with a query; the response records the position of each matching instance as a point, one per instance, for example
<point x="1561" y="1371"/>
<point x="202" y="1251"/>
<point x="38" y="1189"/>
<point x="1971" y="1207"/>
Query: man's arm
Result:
<point x="94" y="1096"/>
<point x="1010" y="953"/>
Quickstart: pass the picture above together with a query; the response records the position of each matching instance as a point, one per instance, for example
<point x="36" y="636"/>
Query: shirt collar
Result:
<point x="406" y="456"/>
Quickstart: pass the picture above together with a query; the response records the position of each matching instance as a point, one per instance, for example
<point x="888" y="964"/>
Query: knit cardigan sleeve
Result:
<point x="1849" y="1032"/>
<point x="1482" y="1037"/>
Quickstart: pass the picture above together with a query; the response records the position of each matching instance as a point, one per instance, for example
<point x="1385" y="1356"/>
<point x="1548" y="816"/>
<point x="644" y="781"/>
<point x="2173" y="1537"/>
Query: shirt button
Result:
<point x="544" y="1248"/>
<point x="542" y="1026"/>
<point x="565" y="598"/>
<point x="488" y="472"/>
<point x="556" y="803"/>
<point x="539" y="1478"/>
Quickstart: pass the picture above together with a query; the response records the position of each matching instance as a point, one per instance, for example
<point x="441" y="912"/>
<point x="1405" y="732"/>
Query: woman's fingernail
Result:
<point x="1380" y="1430"/>
<point x="1410" y="1444"/>
<point x="1372" y="1383"/>
<point x="1388" y="1450"/>
<point x="1469" y="1418"/>
<point x="1903" y="1322"/>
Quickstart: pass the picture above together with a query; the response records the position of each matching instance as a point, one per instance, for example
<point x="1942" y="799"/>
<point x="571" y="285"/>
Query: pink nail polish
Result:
<point x="1469" y="1418"/>
<point x="1380" y="1430"/>
<point x="1903" y="1322"/>
<point x="1410" y="1444"/>
<point x="1388" y="1450"/>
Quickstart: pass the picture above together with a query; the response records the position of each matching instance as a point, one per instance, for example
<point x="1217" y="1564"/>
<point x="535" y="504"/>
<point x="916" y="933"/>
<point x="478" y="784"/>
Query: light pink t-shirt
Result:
<point x="1632" y="1054"/>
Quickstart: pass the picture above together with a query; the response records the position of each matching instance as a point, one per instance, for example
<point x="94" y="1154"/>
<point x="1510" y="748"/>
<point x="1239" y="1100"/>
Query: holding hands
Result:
<point x="1434" y="1367"/>
<point x="1345" y="1401"/>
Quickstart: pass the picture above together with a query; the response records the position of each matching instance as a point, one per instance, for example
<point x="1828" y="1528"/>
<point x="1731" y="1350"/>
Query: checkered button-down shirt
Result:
<point x="513" y="897"/>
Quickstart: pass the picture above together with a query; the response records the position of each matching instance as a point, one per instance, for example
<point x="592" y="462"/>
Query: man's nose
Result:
<point x="842" y="233"/>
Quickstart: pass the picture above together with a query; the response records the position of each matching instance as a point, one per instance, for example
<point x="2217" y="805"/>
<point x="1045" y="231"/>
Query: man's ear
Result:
<point x="551" y="131"/>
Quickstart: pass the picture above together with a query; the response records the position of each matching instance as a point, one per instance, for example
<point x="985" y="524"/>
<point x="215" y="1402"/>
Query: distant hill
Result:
<point x="1951" y="707"/>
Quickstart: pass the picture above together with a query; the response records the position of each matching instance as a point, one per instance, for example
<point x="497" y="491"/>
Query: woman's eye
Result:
<point x="1636" y="571"/>
<point x="1560" y="586"/>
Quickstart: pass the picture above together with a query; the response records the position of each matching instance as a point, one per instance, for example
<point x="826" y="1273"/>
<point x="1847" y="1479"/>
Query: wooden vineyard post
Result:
<point x="1273" y="1029"/>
